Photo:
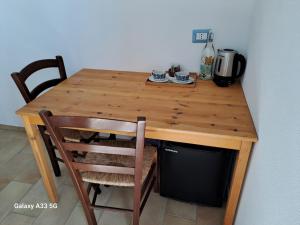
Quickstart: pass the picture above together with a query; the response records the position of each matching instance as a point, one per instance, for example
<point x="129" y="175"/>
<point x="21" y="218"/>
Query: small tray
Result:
<point x="170" y="83"/>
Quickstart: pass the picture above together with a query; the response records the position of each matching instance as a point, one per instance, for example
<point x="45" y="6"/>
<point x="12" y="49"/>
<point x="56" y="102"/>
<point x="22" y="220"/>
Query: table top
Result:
<point x="205" y="110"/>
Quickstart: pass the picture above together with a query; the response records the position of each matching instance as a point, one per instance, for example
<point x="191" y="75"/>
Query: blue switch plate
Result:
<point x="200" y="35"/>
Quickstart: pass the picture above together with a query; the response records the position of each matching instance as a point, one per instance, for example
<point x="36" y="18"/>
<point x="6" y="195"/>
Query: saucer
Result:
<point x="151" y="78"/>
<point x="189" y="81"/>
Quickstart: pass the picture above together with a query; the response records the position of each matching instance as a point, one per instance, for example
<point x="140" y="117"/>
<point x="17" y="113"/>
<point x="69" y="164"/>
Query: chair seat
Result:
<point x="118" y="160"/>
<point x="75" y="135"/>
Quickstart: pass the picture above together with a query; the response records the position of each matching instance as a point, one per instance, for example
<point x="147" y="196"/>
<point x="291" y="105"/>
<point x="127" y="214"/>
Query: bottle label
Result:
<point x="205" y="71"/>
<point x="206" y="67"/>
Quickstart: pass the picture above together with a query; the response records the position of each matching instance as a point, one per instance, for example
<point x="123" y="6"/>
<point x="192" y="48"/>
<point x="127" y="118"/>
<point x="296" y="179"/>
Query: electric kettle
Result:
<point x="229" y="66"/>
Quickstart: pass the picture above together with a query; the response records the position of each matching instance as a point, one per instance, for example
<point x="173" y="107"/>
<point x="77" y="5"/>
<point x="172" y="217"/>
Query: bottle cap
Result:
<point x="210" y="36"/>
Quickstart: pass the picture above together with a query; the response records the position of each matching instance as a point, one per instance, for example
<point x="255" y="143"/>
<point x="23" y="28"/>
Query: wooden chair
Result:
<point x="116" y="163"/>
<point x="20" y="79"/>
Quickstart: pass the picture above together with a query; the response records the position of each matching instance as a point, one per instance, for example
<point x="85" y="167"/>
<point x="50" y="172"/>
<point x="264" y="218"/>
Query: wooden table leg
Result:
<point x="38" y="149"/>
<point x="237" y="181"/>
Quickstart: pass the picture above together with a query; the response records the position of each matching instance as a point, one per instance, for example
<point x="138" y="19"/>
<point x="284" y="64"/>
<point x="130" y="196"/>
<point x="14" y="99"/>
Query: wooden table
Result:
<point x="204" y="115"/>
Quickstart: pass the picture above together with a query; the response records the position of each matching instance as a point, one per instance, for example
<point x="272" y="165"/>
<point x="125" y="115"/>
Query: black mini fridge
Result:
<point x="194" y="173"/>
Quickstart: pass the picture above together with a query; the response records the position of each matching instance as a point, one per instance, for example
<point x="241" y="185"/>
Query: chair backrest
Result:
<point x="21" y="77"/>
<point x="55" y="123"/>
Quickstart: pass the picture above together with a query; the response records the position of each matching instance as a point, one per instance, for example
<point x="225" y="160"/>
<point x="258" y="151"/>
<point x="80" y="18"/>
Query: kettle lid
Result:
<point x="227" y="50"/>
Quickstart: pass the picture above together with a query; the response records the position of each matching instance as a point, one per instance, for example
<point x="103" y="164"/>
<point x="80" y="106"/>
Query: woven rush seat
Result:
<point x="75" y="135"/>
<point x="117" y="160"/>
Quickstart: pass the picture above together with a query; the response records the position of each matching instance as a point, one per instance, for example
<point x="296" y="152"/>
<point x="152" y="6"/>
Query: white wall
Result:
<point x="126" y="35"/>
<point x="271" y="194"/>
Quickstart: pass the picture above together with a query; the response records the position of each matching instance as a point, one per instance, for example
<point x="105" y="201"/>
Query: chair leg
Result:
<point x="97" y="191"/>
<point x="53" y="159"/>
<point x="157" y="178"/>
<point x="51" y="152"/>
<point x="89" y="188"/>
<point x="84" y="198"/>
<point x="136" y="217"/>
<point x="112" y="137"/>
<point x="136" y="206"/>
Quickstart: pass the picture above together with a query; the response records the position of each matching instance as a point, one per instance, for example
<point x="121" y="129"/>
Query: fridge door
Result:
<point x="193" y="173"/>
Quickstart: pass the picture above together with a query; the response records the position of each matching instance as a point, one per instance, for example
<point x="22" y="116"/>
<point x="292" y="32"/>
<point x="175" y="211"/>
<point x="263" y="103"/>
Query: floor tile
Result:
<point x="17" y="219"/>
<point x="78" y="217"/>
<point x="36" y="194"/>
<point x="67" y="202"/>
<point x="6" y="134"/>
<point x="10" y="146"/>
<point x="4" y="181"/>
<point x="11" y="143"/>
<point x="65" y="177"/>
<point x="27" y="149"/>
<point x="121" y="197"/>
<point x="210" y="215"/>
<point x="104" y="197"/>
<point x="6" y="137"/>
<point x="68" y="178"/>
<point x="115" y="218"/>
<point x="173" y="220"/>
<point x="182" y="209"/>
<point x="30" y="174"/>
<point x="154" y="210"/>
<point x="18" y="166"/>
<point x="11" y="194"/>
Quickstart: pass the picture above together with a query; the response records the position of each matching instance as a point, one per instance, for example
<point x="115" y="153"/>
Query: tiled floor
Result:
<point x="20" y="183"/>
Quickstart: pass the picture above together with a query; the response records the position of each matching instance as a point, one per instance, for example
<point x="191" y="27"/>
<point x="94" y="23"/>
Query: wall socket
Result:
<point x="200" y="35"/>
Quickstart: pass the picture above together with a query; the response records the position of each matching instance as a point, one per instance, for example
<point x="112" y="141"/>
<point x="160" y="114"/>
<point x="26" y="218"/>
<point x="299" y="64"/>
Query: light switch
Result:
<point x="200" y="35"/>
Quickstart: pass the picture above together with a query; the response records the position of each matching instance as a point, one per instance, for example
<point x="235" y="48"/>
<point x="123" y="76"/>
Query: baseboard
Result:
<point x="9" y="127"/>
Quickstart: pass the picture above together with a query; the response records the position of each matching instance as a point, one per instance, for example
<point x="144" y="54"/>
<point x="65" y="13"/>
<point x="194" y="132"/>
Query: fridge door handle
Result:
<point x="170" y="150"/>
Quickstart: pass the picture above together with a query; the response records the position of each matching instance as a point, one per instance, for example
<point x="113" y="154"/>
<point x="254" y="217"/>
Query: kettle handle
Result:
<point x="238" y="58"/>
